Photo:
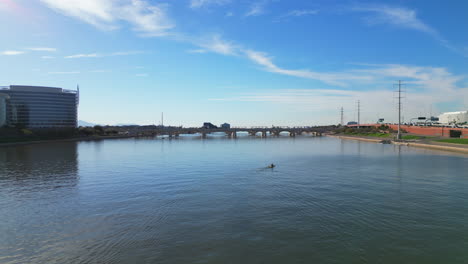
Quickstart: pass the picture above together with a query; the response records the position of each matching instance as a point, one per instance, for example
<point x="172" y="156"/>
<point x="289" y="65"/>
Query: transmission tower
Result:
<point x="399" y="97"/>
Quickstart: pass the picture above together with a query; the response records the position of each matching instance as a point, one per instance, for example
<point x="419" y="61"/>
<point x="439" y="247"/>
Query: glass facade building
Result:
<point x="41" y="107"/>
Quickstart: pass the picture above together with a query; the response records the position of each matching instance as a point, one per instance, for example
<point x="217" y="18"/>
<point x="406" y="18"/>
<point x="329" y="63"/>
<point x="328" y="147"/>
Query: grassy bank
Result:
<point x="411" y="137"/>
<point x="454" y="141"/>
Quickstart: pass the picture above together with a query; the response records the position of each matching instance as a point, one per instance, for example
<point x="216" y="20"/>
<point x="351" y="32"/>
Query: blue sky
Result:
<point x="265" y="62"/>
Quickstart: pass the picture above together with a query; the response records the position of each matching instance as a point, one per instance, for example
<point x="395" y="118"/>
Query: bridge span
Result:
<point x="233" y="132"/>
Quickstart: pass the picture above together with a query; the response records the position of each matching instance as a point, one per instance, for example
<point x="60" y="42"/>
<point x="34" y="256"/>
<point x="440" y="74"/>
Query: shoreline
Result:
<point x="434" y="146"/>
<point x="22" y="143"/>
<point x="409" y="144"/>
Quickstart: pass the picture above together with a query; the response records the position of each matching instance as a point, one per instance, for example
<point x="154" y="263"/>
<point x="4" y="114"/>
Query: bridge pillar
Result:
<point x="252" y="133"/>
<point x="292" y="134"/>
<point x="234" y="134"/>
<point x="264" y="134"/>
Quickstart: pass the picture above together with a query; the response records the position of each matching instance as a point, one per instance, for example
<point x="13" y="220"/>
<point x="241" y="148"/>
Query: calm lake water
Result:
<point x="213" y="201"/>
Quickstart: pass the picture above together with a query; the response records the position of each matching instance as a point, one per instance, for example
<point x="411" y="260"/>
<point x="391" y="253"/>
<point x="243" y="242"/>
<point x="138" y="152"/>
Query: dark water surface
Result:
<point x="213" y="201"/>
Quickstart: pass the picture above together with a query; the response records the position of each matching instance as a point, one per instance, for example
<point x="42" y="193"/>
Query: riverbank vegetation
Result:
<point x="382" y="131"/>
<point x="16" y="135"/>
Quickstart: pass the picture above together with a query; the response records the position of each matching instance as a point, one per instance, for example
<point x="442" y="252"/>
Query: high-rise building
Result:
<point x="40" y="107"/>
<point x="3" y="114"/>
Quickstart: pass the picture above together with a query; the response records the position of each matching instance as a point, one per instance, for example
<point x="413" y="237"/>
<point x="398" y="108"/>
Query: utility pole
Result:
<point x="342" y="123"/>
<point x="358" y="114"/>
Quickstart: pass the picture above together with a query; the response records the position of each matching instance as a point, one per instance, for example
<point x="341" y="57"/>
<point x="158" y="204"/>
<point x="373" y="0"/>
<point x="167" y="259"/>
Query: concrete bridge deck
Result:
<point x="232" y="132"/>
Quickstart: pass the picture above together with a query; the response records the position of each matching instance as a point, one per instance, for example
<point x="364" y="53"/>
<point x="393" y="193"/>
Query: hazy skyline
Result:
<point x="266" y="62"/>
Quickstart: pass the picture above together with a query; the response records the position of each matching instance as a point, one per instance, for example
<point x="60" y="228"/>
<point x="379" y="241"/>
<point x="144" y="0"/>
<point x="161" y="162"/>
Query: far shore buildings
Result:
<point x="38" y="107"/>
<point x="460" y="117"/>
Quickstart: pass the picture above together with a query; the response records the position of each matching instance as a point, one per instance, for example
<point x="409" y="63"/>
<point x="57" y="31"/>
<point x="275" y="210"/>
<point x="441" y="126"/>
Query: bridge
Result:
<point x="229" y="132"/>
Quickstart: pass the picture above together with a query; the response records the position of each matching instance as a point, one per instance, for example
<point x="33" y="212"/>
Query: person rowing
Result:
<point x="271" y="166"/>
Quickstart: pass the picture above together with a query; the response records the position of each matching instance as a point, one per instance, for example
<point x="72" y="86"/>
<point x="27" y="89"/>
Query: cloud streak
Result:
<point x="403" y="18"/>
<point x="300" y="12"/>
<point x="202" y="3"/>
<point x="43" y="49"/>
<point x="257" y="8"/>
<point x="78" y="56"/>
<point x="216" y="44"/>
<point x="100" y="55"/>
<point x="147" y="19"/>
<point x="397" y="16"/>
<point x="338" y="79"/>
<point x="426" y="88"/>
<point x="11" y="52"/>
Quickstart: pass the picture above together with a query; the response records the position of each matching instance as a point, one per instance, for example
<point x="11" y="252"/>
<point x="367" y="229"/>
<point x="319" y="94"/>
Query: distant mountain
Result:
<point x="85" y="124"/>
<point x="124" y="124"/>
<point x="88" y="124"/>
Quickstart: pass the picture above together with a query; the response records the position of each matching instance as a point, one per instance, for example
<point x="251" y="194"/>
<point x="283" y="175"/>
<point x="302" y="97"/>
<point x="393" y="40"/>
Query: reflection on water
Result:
<point x="34" y="164"/>
<point x="213" y="201"/>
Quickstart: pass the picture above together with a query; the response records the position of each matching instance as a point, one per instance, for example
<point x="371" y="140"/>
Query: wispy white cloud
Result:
<point x="218" y="45"/>
<point x="338" y="79"/>
<point x="42" y="49"/>
<point x="64" y="72"/>
<point x="257" y="8"/>
<point x="426" y="88"/>
<point x="77" y="56"/>
<point x="404" y="18"/>
<point x="47" y="57"/>
<point x="430" y="78"/>
<point x="147" y="19"/>
<point x="201" y="3"/>
<point x="301" y="12"/>
<point x="100" y="55"/>
<point x="197" y="51"/>
<point x="397" y="16"/>
<point x="12" y="52"/>
<point x="141" y="75"/>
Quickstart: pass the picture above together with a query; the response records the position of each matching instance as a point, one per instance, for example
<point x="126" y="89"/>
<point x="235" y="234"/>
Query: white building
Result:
<point x="454" y="117"/>
<point x="38" y="106"/>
